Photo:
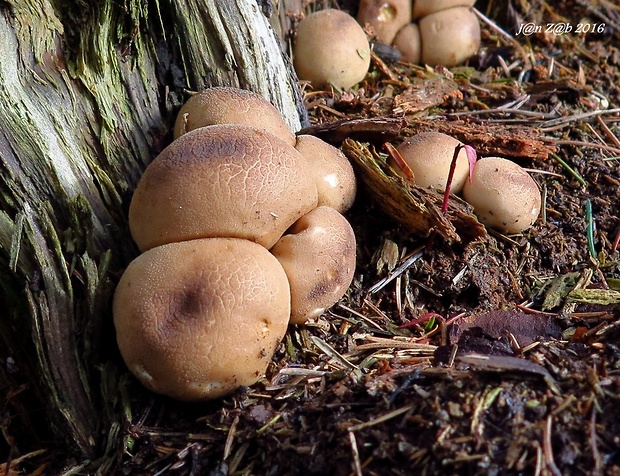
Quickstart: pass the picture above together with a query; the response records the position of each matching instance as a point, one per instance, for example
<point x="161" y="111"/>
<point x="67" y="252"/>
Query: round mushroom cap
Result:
<point x="503" y="195"/>
<point x="331" y="48"/>
<point x="422" y="8"/>
<point x="198" y="319"/>
<point x="221" y="181"/>
<point x="318" y="255"/>
<point x="385" y="16"/>
<point x="334" y="177"/>
<point x="449" y="37"/>
<point x="225" y="105"/>
<point x="429" y="156"/>
<point x="409" y="43"/>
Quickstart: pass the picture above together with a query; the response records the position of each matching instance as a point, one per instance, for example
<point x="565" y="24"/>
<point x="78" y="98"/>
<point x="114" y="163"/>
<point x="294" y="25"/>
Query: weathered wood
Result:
<point x="88" y="92"/>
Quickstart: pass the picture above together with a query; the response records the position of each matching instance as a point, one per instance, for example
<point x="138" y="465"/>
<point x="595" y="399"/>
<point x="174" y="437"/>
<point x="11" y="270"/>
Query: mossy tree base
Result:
<point x="88" y="91"/>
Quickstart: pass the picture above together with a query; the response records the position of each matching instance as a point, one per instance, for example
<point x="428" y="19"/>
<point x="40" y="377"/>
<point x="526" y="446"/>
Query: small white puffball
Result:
<point x="429" y="156"/>
<point x="331" y="48"/>
<point x="503" y="195"/>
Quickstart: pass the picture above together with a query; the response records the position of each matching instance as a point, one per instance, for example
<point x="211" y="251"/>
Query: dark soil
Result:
<point x="531" y="391"/>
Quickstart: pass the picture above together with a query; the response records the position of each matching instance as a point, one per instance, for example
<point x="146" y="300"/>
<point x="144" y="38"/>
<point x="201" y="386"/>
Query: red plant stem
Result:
<point x="420" y="320"/>
<point x="446" y="194"/>
<point x="616" y="242"/>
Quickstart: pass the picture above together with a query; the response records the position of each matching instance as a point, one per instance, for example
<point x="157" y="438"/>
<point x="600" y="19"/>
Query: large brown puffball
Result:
<point x="228" y="181"/>
<point x="198" y="319"/>
<point x="503" y="195"/>
<point x="331" y="48"/>
<point x="318" y="255"/>
<point x="226" y="105"/>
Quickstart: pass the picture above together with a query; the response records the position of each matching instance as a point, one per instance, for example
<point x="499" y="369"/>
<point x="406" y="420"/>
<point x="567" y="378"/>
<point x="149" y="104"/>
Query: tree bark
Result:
<point x="88" y="93"/>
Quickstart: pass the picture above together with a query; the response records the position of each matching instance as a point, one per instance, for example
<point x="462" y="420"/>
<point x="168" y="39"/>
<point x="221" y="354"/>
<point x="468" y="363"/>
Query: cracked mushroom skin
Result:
<point x="221" y="181"/>
<point x="226" y="105"/>
<point x="385" y="16"/>
<point x="334" y="176"/>
<point x="318" y="254"/>
<point x="331" y="48"/>
<point x="198" y="319"/>
<point x="503" y="195"/>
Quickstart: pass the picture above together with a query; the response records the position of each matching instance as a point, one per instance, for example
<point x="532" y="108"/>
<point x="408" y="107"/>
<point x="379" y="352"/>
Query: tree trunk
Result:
<point x="88" y="93"/>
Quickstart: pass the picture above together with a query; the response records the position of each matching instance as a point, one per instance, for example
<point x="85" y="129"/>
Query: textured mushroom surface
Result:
<point x="331" y="48"/>
<point x="318" y="254"/>
<point x="196" y="320"/>
<point x="332" y="171"/>
<point x="225" y="105"/>
<point x="429" y="156"/>
<point x="503" y="195"/>
<point x="221" y="181"/>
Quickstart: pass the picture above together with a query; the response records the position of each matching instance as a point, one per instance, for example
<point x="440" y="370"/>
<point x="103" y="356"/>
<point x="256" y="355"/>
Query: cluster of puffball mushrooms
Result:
<point x="332" y="48"/>
<point x="503" y="194"/>
<point x="240" y="227"/>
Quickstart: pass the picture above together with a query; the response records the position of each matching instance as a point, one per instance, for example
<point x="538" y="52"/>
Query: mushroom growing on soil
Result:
<point x="409" y="43"/>
<point x="385" y="16"/>
<point x="422" y="8"/>
<point x="318" y="255"/>
<point x="449" y="37"/>
<point x="503" y="195"/>
<point x="429" y="155"/>
<point x="334" y="176"/>
<point x="198" y="319"/>
<point x="222" y="181"/>
<point x="224" y="105"/>
<point x="331" y="48"/>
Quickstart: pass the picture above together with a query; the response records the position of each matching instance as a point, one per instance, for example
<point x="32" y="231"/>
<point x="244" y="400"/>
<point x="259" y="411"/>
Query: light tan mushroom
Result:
<point x="221" y="181"/>
<point x="331" y="48"/>
<point x="318" y="255"/>
<point x="224" y="105"/>
<point x="385" y="16"/>
<point x="503" y="195"/>
<point x="198" y="319"/>
<point x="422" y="8"/>
<point x="429" y="156"/>
<point x="409" y="43"/>
<point x="449" y="37"/>
<point x="334" y="177"/>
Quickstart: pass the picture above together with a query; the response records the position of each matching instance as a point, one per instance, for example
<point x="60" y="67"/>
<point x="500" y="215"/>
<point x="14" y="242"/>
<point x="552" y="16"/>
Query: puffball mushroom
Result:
<point x="198" y="319"/>
<point x="221" y="181"/>
<point x="429" y="156"/>
<point x="409" y="43"/>
<point x="449" y="37"/>
<point x="334" y="176"/>
<point x="226" y="105"/>
<point x="503" y="195"/>
<point x="385" y="16"/>
<point x="331" y="48"/>
<point x="422" y="8"/>
<point x="318" y="255"/>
